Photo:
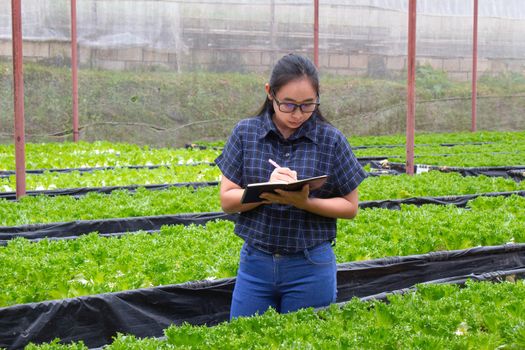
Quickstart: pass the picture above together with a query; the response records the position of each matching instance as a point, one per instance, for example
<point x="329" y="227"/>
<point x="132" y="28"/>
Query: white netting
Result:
<point x="173" y="26"/>
<point x="197" y="66"/>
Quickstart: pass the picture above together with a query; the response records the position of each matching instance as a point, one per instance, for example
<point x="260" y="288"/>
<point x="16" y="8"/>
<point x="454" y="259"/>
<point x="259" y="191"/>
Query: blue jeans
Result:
<point x="284" y="282"/>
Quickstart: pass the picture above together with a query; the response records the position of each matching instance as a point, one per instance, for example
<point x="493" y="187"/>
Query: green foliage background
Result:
<point x="166" y="108"/>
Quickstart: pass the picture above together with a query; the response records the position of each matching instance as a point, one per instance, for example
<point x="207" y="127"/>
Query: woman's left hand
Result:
<point x="296" y="198"/>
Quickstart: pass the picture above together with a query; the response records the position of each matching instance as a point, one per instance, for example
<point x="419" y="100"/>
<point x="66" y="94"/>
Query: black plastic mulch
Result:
<point x="517" y="173"/>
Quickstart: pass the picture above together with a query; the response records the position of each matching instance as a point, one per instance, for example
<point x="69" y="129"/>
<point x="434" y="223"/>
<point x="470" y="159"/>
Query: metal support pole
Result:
<point x="475" y="67"/>
<point x="316" y="33"/>
<point x="411" y="88"/>
<point x="74" y="68"/>
<point x="18" y="93"/>
<point x="273" y="32"/>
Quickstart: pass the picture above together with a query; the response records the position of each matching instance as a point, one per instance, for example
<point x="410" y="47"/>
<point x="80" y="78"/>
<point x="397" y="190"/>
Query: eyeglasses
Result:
<point x="289" y="107"/>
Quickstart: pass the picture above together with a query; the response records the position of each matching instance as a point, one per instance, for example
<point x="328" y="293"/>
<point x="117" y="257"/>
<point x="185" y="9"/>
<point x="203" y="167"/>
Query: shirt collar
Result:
<point x="308" y="129"/>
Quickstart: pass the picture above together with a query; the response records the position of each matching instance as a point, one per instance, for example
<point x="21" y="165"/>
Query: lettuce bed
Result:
<point x="176" y="200"/>
<point x="482" y="315"/>
<point x="91" y="264"/>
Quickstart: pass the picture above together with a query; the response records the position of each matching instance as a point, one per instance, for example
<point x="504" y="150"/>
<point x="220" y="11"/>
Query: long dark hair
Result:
<point x="289" y="68"/>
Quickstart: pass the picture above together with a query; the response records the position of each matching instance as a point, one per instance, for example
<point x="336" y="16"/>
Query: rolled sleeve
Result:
<point x="230" y="160"/>
<point x="349" y="172"/>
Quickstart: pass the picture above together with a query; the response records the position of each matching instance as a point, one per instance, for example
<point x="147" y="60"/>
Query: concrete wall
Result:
<point x="251" y="60"/>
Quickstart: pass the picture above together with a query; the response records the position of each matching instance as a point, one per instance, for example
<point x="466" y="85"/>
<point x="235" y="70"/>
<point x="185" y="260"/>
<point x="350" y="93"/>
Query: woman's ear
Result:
<point x="268" y="91"/>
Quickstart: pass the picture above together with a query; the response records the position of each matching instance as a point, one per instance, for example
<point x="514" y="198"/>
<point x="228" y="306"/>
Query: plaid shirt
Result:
<point x="316" y="148"/>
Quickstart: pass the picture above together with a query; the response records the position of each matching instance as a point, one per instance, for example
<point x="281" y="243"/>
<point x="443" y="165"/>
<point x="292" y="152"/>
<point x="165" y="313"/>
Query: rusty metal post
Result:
<point x="411" y="88"/>
<point x="316" y="33"/>
<point x="18" y="93"/>
<point x="74" y="68"/>
<point x="273" y="33"/>
<point x="475" y="67"/>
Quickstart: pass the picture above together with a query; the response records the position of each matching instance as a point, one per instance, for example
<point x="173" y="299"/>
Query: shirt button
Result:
<point x="287" y="155"/>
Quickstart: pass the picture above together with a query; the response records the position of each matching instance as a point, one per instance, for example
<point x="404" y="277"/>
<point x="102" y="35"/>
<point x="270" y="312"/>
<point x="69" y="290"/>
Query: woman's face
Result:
<point x="299" y="92"/>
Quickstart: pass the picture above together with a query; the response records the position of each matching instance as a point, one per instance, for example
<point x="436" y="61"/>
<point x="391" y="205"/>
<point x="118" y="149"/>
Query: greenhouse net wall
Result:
<point x="166" y="73"/>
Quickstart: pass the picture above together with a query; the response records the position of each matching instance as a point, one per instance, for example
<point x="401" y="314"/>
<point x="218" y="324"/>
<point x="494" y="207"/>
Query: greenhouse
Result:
<point x="131" y="131"/>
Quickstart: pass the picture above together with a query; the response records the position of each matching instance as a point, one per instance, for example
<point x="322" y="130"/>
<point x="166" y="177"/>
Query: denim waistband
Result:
<point x="285" y="254"/>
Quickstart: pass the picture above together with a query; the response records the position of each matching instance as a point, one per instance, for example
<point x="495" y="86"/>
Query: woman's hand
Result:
<point x="344" y="207"/>
<point x="283" y="175"/>
<point x="296" y="198"/>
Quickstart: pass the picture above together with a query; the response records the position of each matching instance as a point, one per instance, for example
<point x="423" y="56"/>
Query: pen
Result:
<point x="272" y="162"/>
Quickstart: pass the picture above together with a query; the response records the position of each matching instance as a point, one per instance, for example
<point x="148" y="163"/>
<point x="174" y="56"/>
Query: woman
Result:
<point x="287" y="261"/>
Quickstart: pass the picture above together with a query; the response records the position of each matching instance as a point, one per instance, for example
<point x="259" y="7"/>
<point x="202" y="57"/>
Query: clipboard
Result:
<point x="253" y="191"/>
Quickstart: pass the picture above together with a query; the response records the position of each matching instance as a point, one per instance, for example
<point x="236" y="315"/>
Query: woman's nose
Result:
<point x="297" y="112"/>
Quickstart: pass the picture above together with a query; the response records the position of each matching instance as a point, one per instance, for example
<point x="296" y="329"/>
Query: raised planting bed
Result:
<point x="95" y="320"/>
<point x="92" y="264"/>
<point x="169" y="199"/>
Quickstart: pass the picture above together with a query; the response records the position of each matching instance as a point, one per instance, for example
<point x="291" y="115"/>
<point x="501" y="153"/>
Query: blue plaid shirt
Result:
<point x="316" y="148"/>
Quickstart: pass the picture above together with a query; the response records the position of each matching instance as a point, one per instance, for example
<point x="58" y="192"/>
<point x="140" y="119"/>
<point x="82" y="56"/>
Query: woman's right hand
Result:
<point x="283" y="175"/>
